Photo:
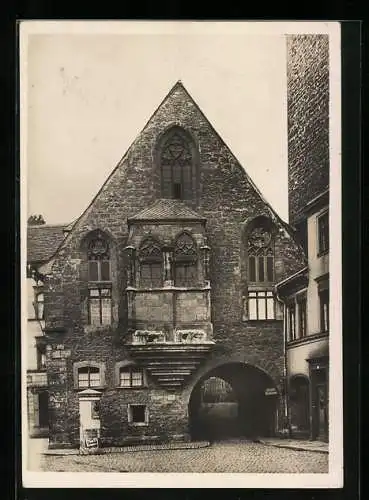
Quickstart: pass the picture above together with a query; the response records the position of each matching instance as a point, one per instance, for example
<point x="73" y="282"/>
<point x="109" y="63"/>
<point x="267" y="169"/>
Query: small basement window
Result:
<point x="138" y="414"/>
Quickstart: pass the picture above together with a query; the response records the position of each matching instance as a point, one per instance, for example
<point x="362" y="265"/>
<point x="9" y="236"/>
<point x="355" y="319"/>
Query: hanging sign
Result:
<point x="271" y="391"/>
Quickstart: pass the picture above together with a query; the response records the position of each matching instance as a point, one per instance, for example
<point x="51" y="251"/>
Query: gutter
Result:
<point x="291" y="278"/>
<point x="285" y="365"/>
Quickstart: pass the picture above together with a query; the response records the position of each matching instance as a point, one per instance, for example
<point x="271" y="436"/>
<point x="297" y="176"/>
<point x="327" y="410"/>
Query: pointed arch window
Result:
<point x="99" y="277"/>
<point x="177" y="164"/>
<point x="185" y="261"/>
<point x="260" y="251"/>
<point x="151" y="264"/>
<point x="99" y="260"/>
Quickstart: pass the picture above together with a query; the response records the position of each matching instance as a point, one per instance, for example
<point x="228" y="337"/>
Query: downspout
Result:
<point x="285" y="365"/>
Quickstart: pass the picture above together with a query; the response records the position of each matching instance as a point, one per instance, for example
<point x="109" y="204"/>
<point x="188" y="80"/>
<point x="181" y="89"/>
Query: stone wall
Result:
<point x="229" y="201"/>
<point x="308" y="120"/>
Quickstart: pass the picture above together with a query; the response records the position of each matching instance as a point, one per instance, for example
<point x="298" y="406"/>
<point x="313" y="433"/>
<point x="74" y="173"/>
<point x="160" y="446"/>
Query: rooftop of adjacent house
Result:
<point x="43" y="241"/>
<point x="167" y="209"/>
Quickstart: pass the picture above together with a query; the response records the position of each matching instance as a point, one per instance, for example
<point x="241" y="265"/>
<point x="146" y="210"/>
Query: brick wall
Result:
<point x="229" y="201"/>
<point x="308" y="119"/>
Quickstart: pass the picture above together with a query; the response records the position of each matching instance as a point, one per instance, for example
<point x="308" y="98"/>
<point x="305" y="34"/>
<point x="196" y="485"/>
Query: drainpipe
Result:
<point x="285" y="365"/>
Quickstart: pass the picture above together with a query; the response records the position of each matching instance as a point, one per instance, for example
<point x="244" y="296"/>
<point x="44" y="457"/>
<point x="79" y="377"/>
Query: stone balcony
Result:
<point x="170" y="359"/>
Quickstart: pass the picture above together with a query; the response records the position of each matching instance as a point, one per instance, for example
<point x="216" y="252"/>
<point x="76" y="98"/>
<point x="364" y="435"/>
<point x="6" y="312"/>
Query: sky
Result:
<point x="90" y="95"/>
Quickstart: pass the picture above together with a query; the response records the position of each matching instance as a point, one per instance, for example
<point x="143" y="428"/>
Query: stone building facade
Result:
<point x="165" y="281"/>
<point x="42" y="241"/>
<point x="306" y="294"/>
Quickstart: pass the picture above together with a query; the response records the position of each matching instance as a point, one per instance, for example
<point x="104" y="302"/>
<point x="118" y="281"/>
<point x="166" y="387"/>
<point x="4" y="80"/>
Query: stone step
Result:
<point x="160" y="373"/>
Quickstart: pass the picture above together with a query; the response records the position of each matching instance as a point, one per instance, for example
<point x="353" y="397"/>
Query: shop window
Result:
<point x="299" y="403"/>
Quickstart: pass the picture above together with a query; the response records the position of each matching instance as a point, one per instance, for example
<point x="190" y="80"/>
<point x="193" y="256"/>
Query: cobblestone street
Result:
<point x="230" y="456"/>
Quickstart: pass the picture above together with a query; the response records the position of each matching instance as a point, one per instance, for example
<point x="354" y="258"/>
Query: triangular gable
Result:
<point x="178" y="87"/>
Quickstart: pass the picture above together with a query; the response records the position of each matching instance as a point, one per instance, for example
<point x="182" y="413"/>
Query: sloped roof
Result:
<point x="43" y="241"/>
<point x="167" y="209"/>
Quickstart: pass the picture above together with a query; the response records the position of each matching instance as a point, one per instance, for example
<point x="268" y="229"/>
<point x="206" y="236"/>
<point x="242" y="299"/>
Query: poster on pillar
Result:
<point x="181" y="249"/>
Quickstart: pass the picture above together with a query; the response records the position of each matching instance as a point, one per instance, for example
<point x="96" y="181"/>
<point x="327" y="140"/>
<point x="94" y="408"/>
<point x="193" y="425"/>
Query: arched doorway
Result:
<point x="233" y="400"/>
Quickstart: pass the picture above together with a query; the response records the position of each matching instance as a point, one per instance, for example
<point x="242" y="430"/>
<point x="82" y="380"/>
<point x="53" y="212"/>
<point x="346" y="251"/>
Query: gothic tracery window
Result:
<point x="151" y="264"/>
<point x="185" y="261"/>
<point x="260" y="256"/>
<point x="100" y="303"/>
<point x="176" y="161"/>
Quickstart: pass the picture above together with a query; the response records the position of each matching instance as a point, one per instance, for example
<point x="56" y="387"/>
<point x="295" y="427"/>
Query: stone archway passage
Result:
<point x="233" y="400"/>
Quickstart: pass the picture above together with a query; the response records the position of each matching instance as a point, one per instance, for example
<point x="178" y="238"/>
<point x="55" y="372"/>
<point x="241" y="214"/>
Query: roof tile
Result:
<point x="43" y="241"/>
<point x="167" y="209"/>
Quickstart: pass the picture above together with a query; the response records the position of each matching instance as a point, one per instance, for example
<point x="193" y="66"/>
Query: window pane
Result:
<point x="185" y="274"/>
<point x="106" y="311"/>
<point x="270" y="308"/>
<point x="292" y="322"/>
<point x="40" y="310"/>
<point x="95" y="378"/>
<point x="125" y="378"/>
<point x="94" y="292"/>
<point x="94" y="311"/>
<point x="105" y="292"/>
<point x="261" y="269"/>
<point x="177" y="174"/>
<point x="145" y="273"/>
<point x="82" y="378"/>
<point x="270" y="269"/>
<point x="138" y="413"/>
<point x="177" y="191"/>
<point x="262" y="308"/>
<point x="326" y="317"/>
<point x="252" y="270"/>
<point x="187" y="182"/>
<point x="167" y="180"/>
<point x="302" y="318"/>
<point x="93" y="270"/>
<point x="137" y="379"/>
<point x="252" y="309"/>
<point x="323" y="228"/>
<point x="180" y="275"/>
<point x="156" y="275"/>
<point x="105" y="270"/>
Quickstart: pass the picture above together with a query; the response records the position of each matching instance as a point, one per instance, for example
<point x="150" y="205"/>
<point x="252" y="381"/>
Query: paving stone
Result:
<point x="229" y="456"/>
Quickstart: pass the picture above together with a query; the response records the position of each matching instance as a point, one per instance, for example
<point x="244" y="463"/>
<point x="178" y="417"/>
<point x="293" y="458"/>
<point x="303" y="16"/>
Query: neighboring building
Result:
<point x="306" y="294"/>
<point x="168" y="280"/>
<point x="42" y="241"/>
